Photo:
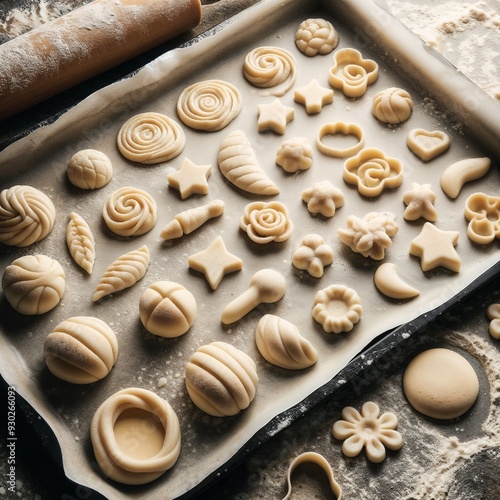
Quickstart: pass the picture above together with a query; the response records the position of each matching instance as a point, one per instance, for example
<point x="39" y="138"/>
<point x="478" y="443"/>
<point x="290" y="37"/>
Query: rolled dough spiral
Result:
<point x="26" y="216"/>
<point x="89" y="169"/>
<point x="151" y="138"/>
<point x="392" y="105"/>
<point x="210" y="105"/>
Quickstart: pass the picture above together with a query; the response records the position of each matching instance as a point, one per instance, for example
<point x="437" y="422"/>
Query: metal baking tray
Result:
<point x="443" y="99"/>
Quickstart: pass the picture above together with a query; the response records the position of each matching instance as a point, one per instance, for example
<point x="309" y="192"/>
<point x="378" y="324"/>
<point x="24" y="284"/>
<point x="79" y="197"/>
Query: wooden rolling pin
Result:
<point x="84" y="43"/>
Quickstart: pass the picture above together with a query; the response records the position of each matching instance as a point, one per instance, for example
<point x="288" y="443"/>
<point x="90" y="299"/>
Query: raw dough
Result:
<point x="462" y="171"/>
<point x="440" y="383"/>
<point x="483" y="213"/>
<point x="313" y="255"/>
<point x="26" y="216"/>
<point x="238" y="163"/>
<point x="221" y="380"/>
<point x="389" y="283"/>
<point x="274" y="116"/>
<point x="33" y="284"/>
<point x="81" y="350"/>
<point x="323" y="198"/>
<point x="123" y="273"/>
<point x="281" y="343"/>
<point x="294" y="154"/>
<point x="266" y="222"/>
<point x="130" y="211"/>
<point x="118" y="427"/>
<point x="167" y="309"/>
<point x="313" y="96"/>
<point x="340" y="128"/>
<point x="210" y="105"/>
<point x="89" y="169"/>
<point x="419" y="201"/>
<point x="151" y="138"/>
<point x="392" y="106"/>
<point x="493" y="314"/>
<point x="427" y="145"/>
<point x="80" y="241"/>
<point x="316" y="36"/>
<point x="190" y="179"/>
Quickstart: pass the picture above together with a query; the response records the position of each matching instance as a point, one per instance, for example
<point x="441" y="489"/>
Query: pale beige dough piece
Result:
<point x="388" y="282"/>
<point x="316" y="36"/>
<point x="33" y="284"/>
<point x="274" y="116"/>
<point x="89" y="169"/>
<point x="483" y="213"/>
<point x="151" y="138"/>
<point x="26" y="216"/>
<point x="419" y="201"/>
<point x="313" y="255"/>
<point x="239" y="165"/>
<point x="210" y="105"/>
<point x="323" y="198"/>
<point x="123" y="273"/>
<point x="130" y="211"/>
<point x="440" y="383"/>
<point x="392" y="106"/>
<point x="81" y="350"/>
<point x="266" y="222"/>
<point x="313" y="96"/>
<point x="221" y="380"/>
<point x="493" y="314"/>
<point x="461" y="172"/>
<point x="281" y="344"/>
<point x="294" y="154"/>
<point x="340" y="128"/>
<point x="118" y="426"/>
<point x="167" y="309"/>
<point x="80" y="241"/>
<point x="427" y="145"/>
<point x="190" y="179"/>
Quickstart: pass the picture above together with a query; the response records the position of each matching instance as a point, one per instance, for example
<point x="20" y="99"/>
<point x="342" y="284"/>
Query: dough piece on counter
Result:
<point x="26" y="216"/>
<point x="388" y="282"/>
<point x="313" y="255"/>
<point x="123" y="273"/>
<point x="33" y="284"/>
<point x="274" y="116"/>
<point x="281" y="344"/>
<point x="190" y="179"/>
<point x="151" y="138"/>
<point x="371" y="235"/>
<point x="167" y="309"/>
<point x="89" y="169"/>
<point x="392" y="106"/>
<point x="340" y="128"/>
<point x="323" y="198"/>
<point x="294" y="154"/>
<point x="440" y="383"/>
<point x="419" y="201"/>
<point x="316" y="36"/>
<point x="493" y="314"/>
<point x="118" y="426"/>
<point x="266" y="222"/>
<point x="367" y="429"/>
<point x="80" y="241"/>
<point x="210" y="105"/>
<point x="435" y="248"/>
<point x="81" y="350"/>
<point x="130" y="211"/>
<point x="239" y="165"/>
<point x="215" y="262"/>
<point x="221" y="380"/>
<point x="461" y="172"/>
<point x="270" y="68"/>
<point x="337" y="308"/>
<point x="427" y="145"/>
<point x="313" y="96"/>
<point x="483" y="213"/>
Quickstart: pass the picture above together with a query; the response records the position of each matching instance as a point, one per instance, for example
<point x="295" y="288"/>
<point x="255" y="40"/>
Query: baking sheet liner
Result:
<point x="40" y="160"/>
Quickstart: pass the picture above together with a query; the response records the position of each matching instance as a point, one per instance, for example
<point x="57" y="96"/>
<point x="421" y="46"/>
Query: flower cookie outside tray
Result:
<point x="316" y="36"/>
<point x="392" y="106"/>
<point x="427" y="145"/>
<point x="371" y="171"/>
<point x="127" y="418"/>
<point x="493" y="314"/>
<point x="351" y="73"/>
<point x="340" y="128"/>
<point x="483" y="213"/>
<point x="266" y="222"/>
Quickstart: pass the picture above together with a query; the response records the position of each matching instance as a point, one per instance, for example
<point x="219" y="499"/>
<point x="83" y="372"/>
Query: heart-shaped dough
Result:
<point x="427" y="145"/>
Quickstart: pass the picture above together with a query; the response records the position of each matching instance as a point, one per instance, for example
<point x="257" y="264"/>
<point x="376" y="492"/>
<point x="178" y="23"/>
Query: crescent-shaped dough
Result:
<point x="462" y="171"/>
<point x="389" y="283"/>
<point x="239" y="165"/>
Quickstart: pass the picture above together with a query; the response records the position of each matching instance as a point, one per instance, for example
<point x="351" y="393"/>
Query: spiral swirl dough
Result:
<point x="210" y="105"/>
<point x="128" y="417"/>
<point x="150" y="138"/>
<point x="270" y="67"/>
<point x="33" y="284"/>
<point x="26" y="216"/>
<point x="392" y="106"/>
<point x="130" y="212"/>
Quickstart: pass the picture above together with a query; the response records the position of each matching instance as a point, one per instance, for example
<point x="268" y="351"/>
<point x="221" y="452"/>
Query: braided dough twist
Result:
<point x="80" y="241"/>
<point x="316" y="36"/>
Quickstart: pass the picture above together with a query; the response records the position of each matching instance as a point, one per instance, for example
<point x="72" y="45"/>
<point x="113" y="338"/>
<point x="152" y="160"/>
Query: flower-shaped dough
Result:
<point x="419" y="201"/>
<point x="337" y="308"/>
<point x="493" y="314"/>
<point x="266" y="222"/>
<point x="483" y="213"/>
<point x="351" y="73"/>
<point x="371" y="171"/>
<point x="323" y="198"/>
<point x="294" y="154"/>
<point x="369" y="430"/>
<point x="371" y="235"/>
<point x="316" y="36"/>
<point x="313" y="255"/>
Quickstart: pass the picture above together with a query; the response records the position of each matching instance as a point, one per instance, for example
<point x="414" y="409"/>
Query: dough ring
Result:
<point x="210" y="105"/>
<point x="151" y="138"/>
<point x="342" y="128"/>
<point x="319" y="460"/>
<point x="116" y="447"/>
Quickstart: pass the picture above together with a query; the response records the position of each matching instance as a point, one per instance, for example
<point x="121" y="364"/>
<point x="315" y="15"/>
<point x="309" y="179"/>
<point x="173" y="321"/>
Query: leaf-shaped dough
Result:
<point x="80" y="242"/>
<point x="124" y="272"/>
<point x="239" y="165"/>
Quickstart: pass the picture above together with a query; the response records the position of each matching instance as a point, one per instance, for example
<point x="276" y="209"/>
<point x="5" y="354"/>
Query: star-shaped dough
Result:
<point x="419" y="201"/>
<point x="215" y="262"/>
<point x="190" y="179"/>
<point x="274" y="116"/>
<point x="313" y="96"/>
<point x="435" y="248"/>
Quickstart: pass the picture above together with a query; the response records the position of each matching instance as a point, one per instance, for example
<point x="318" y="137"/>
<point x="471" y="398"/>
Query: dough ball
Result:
<point x="89" y="169"/>
<point x="33" y="284"/>
<point x="392" y="106"/>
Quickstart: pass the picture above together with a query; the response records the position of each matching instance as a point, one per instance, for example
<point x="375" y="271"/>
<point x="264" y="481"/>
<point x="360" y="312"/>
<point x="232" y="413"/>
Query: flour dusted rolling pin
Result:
<point x="84" y="43"/>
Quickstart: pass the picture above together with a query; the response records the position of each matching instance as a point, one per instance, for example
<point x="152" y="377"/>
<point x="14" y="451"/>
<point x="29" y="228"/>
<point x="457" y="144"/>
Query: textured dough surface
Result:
<point x="316" y="36"/>
<point x="80" y="241"/>
<point x="89" y="169"/>
<point x="392" y="105"/>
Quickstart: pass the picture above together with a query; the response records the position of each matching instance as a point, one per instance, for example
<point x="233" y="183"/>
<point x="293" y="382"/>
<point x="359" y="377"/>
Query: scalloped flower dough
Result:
<point x="323" y="198"/>
<point x="80" y="241"/>
<point x="316" y="36"/>
<point x="313" y="255"/>
<point x="294" y="154"/>
<point x="392" y="106"/>
<point x="483" y="213"/>
<point x="33" y="284"/>
<point x="89" y="169"/>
